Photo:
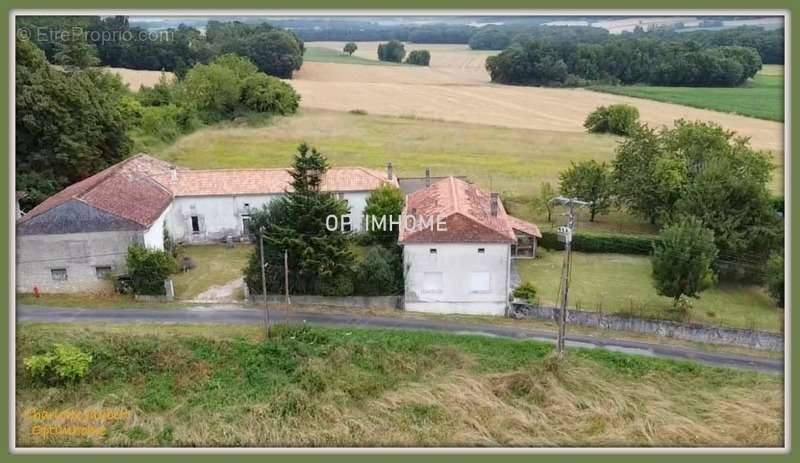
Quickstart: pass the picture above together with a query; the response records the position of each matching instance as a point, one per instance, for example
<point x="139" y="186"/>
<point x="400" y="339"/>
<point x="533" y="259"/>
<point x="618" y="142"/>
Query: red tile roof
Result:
<point x="525" y="227"/>
<point x="124" y="189"/>
<point x="266" y="181"/>
<point x="466" y="211"/>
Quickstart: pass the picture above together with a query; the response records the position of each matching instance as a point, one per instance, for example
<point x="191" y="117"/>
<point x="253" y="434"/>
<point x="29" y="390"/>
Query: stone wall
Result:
<point x="351" y="302"/>
<point x="697" y="332"/>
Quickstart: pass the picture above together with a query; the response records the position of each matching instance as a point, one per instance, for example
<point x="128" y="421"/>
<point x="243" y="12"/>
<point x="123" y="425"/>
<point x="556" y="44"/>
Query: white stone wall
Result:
<point x="220" y="216"/>
<point x="457" y="278"/>
<point x="78" y="253"/>
<point x="153" y="237"/>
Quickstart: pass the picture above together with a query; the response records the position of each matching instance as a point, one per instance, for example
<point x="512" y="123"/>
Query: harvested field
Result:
<point x="455" y="88"/>
<point x="136" y="78"/>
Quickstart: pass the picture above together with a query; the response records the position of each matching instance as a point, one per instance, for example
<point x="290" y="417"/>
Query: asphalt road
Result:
<point x="237" y="315"/>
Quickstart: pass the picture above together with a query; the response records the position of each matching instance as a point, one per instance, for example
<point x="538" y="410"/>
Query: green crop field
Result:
<point x="227" y="386"/>
<point x="761" y="97"/>
<point x="617" y="283"/>
<point x="329" y="55"/>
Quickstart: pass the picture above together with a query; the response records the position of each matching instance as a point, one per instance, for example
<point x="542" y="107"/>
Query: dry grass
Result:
<point x="138" y="78"/>
<point x="200" y="386"/>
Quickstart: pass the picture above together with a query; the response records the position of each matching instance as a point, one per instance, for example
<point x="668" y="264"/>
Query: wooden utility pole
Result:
<point x="286" y="274"/>
<point x="264" y="280"/>
<point x="565" y="234"/>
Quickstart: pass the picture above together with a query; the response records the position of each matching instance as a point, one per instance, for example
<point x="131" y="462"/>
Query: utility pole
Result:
<point x="565" y="234"/>
<point x="264" y="280"/>
<point x="286" y="274"/>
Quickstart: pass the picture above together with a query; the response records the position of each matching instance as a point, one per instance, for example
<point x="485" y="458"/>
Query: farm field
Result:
<point x="456" y="88"/>
<point x="511" y="160"/>
<point x="138" y="78"/>
<point x="354" y="387"/>
<point x="622" y="283"/>
<point x="329" y="55"/>
<point x="761" y="97"/>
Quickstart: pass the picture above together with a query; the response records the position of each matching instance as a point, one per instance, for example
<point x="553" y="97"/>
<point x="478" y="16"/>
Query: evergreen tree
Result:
<point x="320" y="261"/>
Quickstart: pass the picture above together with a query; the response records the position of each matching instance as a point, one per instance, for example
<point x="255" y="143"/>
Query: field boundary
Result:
<point x="697" y="332"/>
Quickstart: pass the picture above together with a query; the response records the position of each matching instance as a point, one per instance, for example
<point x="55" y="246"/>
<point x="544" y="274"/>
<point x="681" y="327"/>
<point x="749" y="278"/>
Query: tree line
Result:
<point x="623" y="60"/>
<point x="75" y="120"/>
<point x="274" y="50"/>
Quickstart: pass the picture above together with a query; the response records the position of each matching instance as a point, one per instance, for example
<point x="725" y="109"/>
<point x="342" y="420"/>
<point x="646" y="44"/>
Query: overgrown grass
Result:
<point x="760" y="97"/>
<point x="216" y="265"/>
<point x="504" y="159"/>
<point x="226" y="386"/>
<point x="616" y="283"/>
<point x="329" y="55"/>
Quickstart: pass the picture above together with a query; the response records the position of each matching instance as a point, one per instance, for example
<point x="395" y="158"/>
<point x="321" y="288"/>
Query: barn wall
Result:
<point x="78" y="253"/>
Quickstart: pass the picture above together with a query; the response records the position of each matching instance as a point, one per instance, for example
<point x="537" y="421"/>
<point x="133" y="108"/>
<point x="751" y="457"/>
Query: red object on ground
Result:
<point x="36" y="292"/>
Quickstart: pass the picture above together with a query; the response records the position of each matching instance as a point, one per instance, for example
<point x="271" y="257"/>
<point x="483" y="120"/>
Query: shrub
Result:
<point x="268" y="94"/>
<point x="775" y="278"/>
<point x="611" y="243"/>
<point x="339" y="284"/>
<point x="526" y="291"/>
<point x="619" y="119"/>
<point x="683" y="260"/>
<point x="380" y="273"/>
<point x="64" y="364"/>
<point x="148" y="268"/>
<point x="385" y="203"/>
<point x="393" y="51"/>
<point x="419" y="58"/>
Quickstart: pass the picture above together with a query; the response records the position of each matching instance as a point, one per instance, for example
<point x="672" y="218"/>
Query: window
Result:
<point x="195" y="224"/>
<point x="58" y="274"/>
<point x="102" y="271"/>
<point x="480" y="282"/>
<point x="432" y="282"/>
<point x="481" y="250"/>
<point x="433" y="251"/>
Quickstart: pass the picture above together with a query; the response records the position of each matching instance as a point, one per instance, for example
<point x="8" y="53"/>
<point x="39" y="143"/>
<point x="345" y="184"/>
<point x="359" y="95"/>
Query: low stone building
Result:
<point x="459" y="261"/>
<point x="77" y="239"/>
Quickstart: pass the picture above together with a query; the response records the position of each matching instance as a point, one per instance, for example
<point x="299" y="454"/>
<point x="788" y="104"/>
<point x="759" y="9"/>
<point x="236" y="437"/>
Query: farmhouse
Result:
<point x="464" y="267"/>
<point x="76" y="239"/>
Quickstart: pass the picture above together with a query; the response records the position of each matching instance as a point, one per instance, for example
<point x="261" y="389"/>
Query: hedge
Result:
<point x="613" y="243"/>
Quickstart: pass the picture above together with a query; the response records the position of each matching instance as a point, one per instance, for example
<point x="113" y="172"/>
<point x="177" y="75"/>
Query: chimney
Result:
<point x="493" y="204"/>
<point x="174" y="171"/>
<point x="427" y="177"/>
<point x="389" y="170"/>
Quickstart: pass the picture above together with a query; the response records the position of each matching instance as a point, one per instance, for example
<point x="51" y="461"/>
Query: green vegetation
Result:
<point x="526" y="291"/>
<point x="350" y="48"/>
<point x="215" y="265"/>
<point x="384" y="205"/>
<point x="419" y="58"/>
<point x="393" y="51"/>
<point x="760" y="97"/>
<point x="148" y="268"/>
<point x="589" y="181"/>
<point x="295" y="228"/>
<point x="329" y="55"/>
<point x="619" y="119"/>
<point x="619" y="283"/>
<point x="683" y="259"/>
<point x="62" y="364"/>
<point x="353" y="387"/>
<point x="775" y="278"/>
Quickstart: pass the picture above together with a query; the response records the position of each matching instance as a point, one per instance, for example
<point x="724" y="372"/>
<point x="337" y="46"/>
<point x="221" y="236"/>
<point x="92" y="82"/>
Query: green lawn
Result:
<point x="328" y="55"/>
<point x="760" y="97"/>
<point x="227" y="386"/>
<point x="216" y="265"/>
<point x="622" y="283"/>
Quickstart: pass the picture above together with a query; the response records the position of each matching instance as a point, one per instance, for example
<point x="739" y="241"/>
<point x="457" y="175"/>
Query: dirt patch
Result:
<point x="136" y="78"/>
<point x="221" y="293"/>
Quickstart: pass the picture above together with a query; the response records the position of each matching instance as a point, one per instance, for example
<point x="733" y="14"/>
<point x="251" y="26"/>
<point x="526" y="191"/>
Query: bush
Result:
<point x="392" y="51"/>
<point x="380" y="273"/>
<point x="419" y="58"/>
<point x="619" y="119"/>
<point x="64" y="364"/>
<point x="611" y="243"/>
<point x="268" y="94"/>
<point x="148" y="268"/>
<point x="339" y="284"/>
<point x="527" y="292"/>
